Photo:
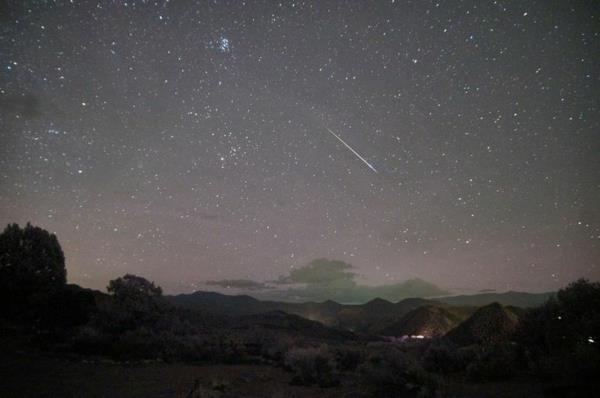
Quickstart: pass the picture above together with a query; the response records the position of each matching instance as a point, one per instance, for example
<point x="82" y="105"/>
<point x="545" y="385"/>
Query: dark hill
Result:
<point x="517" y="299"/>
<point x="378" y="304"/>
<point x="279" y="322"/>
<point x="222" y="304"/>
<point x="360" y="318"/>
<point x="490" y="324"/>
<point x="428" y="321"/>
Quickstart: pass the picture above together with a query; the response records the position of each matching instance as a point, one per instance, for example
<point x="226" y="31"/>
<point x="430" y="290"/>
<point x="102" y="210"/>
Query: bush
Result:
<point x="582" y="364"/>
<point x="349" y="359"/>
<point x="137" y="344"/>
<point x="136" y="322"/>
<point x="312" y="366"/>
<point x="230" y="349"/>
<point x="443" y="357"/>
<point x="561" y="336"/>
<point x="563" y="322"/>
<point x="494" y="364"/>
<point x="90" y="341"/>
<point x="273" y="349"/>
<point x="390" y="372"/>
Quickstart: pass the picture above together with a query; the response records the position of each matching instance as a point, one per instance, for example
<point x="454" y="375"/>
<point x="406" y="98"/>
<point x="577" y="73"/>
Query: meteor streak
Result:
<point x="352" y="150"/>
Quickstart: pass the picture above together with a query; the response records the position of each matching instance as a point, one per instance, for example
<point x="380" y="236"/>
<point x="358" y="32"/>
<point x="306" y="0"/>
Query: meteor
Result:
<point x="352" y="150"/>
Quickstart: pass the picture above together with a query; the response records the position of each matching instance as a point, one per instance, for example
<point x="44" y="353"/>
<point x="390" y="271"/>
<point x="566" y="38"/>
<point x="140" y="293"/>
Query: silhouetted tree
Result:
<point x="135" y="321"/>
<point x="136" y="302"/>
<point x="32" y="269"/>
<point x="132" y="288"/>
<point x="561" y="336"/>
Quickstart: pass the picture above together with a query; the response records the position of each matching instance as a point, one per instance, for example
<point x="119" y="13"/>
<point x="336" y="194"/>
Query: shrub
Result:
<point x="561" y="336"/>
<point x="91" y="341"/>
<point x="274" y="349"/>
<point x="136" y="344"/>
<point x="349" y="359"/>
<point x="494" y="364"/>
<point x="582" y="364"/>
<point x="136" y="322"/>
<point x="312" y="366"/>
<point x="391" y="372"/>
<point x="442" y="357"/>
<point x="563" y="322"/>
<point x="230" y="349"/>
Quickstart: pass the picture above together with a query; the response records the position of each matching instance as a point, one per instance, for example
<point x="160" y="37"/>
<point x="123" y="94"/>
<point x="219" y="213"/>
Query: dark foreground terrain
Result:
<point x="61" y="340"/>
<point x="42" y="376"/>
<point x="34" y="375"/>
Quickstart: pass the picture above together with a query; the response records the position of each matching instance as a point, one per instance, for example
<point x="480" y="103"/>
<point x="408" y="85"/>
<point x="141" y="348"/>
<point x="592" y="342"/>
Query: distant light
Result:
<point x="591" y="340"/>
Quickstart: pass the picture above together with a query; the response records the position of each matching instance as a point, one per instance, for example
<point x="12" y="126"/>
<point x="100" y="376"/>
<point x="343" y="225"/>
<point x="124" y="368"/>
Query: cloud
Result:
<point x="324" y="279"/>
<point x="242" y="284"/>
<point x="319" y="271"/>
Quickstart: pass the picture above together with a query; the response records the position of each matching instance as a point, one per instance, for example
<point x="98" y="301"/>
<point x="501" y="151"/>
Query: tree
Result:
<point x="136" y="302"/>
<point x="32" y="267"/>
<point x="133" y="288"/>
<point x="561" y="336"/>
<point x="134" y="321"/>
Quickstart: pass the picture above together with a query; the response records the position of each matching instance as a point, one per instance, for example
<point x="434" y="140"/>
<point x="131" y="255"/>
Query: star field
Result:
<point x="187" y="141"/>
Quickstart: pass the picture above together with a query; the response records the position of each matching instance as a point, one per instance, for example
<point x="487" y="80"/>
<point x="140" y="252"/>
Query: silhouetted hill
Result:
<point x="517" y="299"/>
<point x="414" y="316"/>
<point x="490" y="324"/>
<point x="376" y="314"/>
<point x="279" y="322"/>
<point x="364" y="318"/>
<point x="236" y="306"/>
<point x="378" y="304"/>
<point x="221" y="303"/>
<point x="427" y="320"/>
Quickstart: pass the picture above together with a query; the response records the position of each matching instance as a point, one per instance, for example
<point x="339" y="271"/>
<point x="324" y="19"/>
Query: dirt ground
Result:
<point x="26" y="375"/>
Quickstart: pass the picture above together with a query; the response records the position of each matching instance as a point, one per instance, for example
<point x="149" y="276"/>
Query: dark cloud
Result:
<point x="319" y="271"/>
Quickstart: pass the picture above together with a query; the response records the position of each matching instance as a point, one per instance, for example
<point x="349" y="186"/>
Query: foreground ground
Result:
<point x="25" y="375"/>
<point x="33" y="375"/>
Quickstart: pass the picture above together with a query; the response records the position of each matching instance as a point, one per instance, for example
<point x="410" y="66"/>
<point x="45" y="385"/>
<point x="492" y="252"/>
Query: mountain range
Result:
<point x="411" y="316"/>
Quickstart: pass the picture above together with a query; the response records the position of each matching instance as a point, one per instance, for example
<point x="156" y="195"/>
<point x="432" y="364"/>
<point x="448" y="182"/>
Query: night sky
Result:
<point x="188" y="141"/>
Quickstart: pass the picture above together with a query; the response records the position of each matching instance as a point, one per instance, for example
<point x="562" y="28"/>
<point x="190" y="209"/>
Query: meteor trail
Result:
<point x="352" y="150"/>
